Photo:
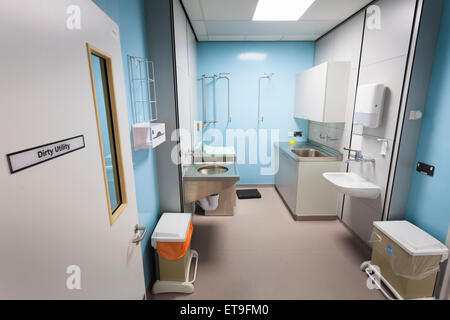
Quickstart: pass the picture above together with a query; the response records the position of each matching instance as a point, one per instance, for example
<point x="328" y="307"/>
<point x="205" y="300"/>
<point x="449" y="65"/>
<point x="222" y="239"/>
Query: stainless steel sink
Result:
<point x="308" y="153"/>
<point x="213" y="169"/>
<point x="202" y="180"/>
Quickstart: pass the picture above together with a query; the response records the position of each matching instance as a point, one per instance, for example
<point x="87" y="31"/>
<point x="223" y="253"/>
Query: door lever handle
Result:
<point x="138" y="239"/>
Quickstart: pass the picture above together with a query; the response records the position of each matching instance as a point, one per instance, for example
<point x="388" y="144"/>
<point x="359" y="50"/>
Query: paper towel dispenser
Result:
<point x="147" y="135"/>
<point x="369" y="105"/>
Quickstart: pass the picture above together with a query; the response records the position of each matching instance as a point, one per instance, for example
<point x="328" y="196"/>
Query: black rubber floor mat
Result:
<point x="248" y="194"/>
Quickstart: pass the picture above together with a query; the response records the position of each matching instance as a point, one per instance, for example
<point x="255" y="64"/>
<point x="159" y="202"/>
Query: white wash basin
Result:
<point x="353" y="185"/>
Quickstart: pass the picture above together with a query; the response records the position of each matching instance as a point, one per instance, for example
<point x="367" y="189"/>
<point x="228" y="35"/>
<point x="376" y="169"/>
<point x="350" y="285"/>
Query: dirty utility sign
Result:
<point x="24" y="159"/>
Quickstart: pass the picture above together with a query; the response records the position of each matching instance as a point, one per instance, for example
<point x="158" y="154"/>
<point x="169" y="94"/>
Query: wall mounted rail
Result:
<point x="214" y="77"/>
<point x="225" y="76"/>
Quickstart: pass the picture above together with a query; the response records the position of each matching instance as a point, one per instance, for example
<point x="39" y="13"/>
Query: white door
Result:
<point x="56" y="214"/>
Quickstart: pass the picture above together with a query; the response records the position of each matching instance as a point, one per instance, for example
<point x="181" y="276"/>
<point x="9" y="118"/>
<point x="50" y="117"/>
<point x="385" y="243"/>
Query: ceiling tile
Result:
<point x="228" y="20"/>
<point x="268" y="28"/>
<point x="333" y="9"/>
<point x="226" y="38"/>
<point x="301" y="37"/>
<point x="199" y="27"/>
<point x="312" y="27"/>
<point x="193" y="9"/>
<point x="263" y="38"/>
<point x="228" y="9"/>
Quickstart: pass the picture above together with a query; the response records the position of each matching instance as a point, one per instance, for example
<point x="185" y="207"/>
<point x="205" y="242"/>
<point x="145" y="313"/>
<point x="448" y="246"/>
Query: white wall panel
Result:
<point x="186" y="52"/>
<point x="391" y="74"/>
<point x="181" y="41"/>
<point x="393" y="38"/>
<point x="383" y="59"/>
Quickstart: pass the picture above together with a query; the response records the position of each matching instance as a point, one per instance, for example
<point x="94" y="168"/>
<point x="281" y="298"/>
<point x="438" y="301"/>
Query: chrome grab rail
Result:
<point x="204" y="77"/>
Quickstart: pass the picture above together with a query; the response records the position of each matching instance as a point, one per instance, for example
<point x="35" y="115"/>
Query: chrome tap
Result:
<point x="358" y="156"/>
<point x="327" y="137"/>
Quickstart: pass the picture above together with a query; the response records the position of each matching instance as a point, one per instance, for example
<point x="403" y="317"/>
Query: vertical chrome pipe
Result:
<point x="204" y="97"/>
<point x="215" y="100"/>
<point x="229" y="107"/>
<point x="266" y="75"/>
<point x="224" y="75"/>
<point x="260" y="119"/>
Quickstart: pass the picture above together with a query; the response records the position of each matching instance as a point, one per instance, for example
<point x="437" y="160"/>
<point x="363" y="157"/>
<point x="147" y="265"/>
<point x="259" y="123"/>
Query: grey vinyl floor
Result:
<point x="262" y="253"/>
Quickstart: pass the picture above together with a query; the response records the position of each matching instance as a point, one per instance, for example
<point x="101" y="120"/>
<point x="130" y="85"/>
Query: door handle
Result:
<point x="138" y="239"/>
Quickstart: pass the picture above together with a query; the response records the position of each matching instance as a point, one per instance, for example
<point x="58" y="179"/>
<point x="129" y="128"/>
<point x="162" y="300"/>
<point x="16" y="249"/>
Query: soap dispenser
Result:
<point x="369" y="105"/>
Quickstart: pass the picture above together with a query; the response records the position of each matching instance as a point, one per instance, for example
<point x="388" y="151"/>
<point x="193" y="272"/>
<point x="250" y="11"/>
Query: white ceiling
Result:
<point x="231" y="20"/>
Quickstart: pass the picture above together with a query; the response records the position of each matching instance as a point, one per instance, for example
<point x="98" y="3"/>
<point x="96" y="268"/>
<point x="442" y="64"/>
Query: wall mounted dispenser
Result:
<point x="148" y="135"/>
<point x="384" y="146"/>
<point x="369" y="105"/>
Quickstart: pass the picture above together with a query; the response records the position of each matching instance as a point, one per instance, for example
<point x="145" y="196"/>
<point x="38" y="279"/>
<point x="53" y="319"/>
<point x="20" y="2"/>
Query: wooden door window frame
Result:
<point x="91" y="50"/>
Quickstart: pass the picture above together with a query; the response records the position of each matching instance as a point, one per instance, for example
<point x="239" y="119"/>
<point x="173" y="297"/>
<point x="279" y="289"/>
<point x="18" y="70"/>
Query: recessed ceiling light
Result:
<point x="281" y="10"/>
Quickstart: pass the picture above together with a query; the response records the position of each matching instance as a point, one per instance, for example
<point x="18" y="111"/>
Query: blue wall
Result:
<point x="129" y="15"/>
<point x="285" y="59"/>
<point x="429" y="198"/>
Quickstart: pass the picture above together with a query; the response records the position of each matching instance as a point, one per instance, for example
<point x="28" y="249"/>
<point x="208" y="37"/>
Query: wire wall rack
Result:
<point x="143" y="92"/>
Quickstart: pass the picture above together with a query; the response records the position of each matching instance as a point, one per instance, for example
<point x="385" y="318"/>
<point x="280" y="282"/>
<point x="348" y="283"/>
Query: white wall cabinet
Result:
<point x="321" y="92"/>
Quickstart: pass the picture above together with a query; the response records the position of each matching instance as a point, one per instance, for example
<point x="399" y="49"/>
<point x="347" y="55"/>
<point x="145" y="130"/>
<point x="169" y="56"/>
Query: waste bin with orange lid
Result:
<point x="172" y="239"/>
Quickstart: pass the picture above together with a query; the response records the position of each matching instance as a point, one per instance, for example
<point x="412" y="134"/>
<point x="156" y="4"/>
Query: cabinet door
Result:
<point x="310" y="88"/>
<point x="286" y="180"/>
<point x="336" y="95"/>
<point x="316" y="197"/>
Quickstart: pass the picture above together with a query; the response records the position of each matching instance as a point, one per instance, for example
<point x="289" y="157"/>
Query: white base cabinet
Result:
<point x="286" y="180"/>
<point x="304" y="190"/>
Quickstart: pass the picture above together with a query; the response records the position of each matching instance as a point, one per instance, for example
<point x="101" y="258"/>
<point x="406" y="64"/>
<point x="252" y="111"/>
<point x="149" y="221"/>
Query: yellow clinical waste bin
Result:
<point x="408" y="258"/>
<point x="172" y="241"/>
